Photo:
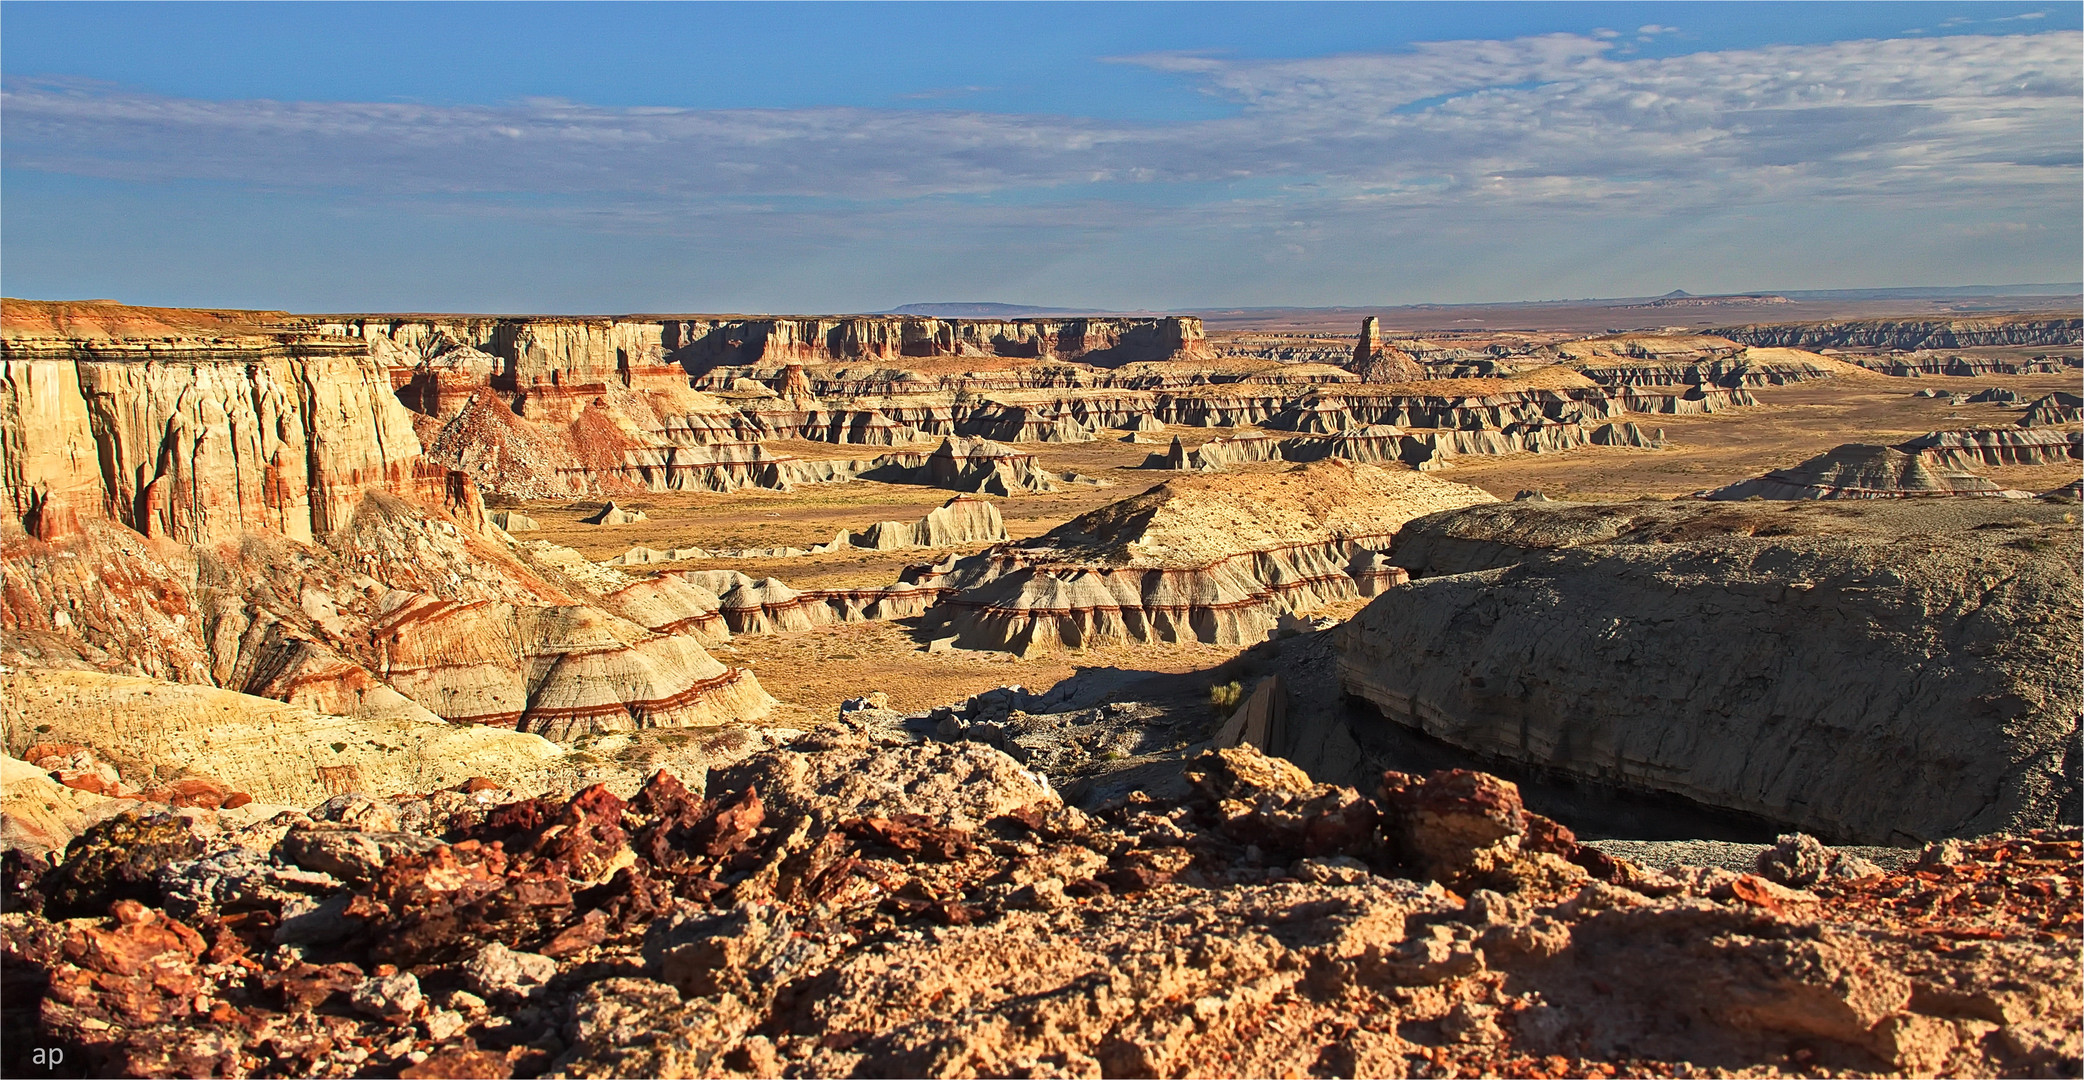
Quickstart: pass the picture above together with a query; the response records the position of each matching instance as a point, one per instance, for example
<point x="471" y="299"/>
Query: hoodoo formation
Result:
<point x="430" y="695"/>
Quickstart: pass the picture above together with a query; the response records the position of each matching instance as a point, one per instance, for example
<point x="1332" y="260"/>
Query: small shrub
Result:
<point x="1226" y="696"/>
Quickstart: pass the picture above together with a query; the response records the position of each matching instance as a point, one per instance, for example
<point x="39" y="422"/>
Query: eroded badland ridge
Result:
<point x="437" y="695"/>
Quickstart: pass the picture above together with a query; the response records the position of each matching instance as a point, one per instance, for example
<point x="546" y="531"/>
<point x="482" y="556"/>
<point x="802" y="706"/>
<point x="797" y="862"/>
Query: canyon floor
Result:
<point x="817" y="669"/>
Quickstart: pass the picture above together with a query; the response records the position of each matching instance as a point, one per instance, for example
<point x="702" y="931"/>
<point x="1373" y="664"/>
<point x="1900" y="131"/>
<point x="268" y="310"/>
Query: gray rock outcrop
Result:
<point x="1876" y="672"/>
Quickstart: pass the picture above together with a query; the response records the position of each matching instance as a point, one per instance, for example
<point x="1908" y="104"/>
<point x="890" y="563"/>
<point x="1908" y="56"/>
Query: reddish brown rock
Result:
<point x="1376" y="362"/>
<point x="1454" y="820"/>
<point x="842" y="936"/>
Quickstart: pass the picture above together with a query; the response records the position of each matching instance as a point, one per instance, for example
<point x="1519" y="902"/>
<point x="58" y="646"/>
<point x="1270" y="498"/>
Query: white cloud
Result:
<point x="1459" y="132"/>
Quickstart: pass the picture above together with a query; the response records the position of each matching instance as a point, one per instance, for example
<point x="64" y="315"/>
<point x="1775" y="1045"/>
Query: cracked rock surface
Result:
<point x="860" y="903"/>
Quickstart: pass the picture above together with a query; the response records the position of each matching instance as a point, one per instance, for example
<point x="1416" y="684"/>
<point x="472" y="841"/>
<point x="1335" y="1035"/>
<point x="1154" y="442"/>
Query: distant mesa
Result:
<point x="1914" y="334"/>
<point x="1677" y="298"/>
<point x="985" y="310"/>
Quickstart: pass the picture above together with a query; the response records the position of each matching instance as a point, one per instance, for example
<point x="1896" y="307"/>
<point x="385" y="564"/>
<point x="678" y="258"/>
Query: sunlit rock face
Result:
<point x="202" y="500"/>
<point x="1211" y="558"/>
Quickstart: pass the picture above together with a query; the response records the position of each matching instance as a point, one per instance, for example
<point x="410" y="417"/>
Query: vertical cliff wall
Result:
<point x="200" y="444"/>
<point x="51" y="464"/>
<point x="597" y="350"/>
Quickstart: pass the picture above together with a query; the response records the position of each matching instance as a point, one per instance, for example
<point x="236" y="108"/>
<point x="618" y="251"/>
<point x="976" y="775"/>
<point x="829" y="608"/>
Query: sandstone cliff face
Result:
<point x="198" y="442"/>
<point x="250" y="510"/>
<point x="1913" y="333"/>
<point x="53" y="477"/>
<point x="1882" y="673"/>
<point x="586" y="350"/>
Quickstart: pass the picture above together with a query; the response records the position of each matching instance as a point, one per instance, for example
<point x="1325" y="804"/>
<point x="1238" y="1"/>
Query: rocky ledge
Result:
<point x="865" y="903"/>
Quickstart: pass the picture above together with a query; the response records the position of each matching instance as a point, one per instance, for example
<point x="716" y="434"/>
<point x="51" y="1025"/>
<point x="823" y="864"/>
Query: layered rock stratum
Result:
<point x="1907" y="334"/>
<point x="1209" y="559"/>
<point x="1857" y="471"/>
<point x="198" y="501"/>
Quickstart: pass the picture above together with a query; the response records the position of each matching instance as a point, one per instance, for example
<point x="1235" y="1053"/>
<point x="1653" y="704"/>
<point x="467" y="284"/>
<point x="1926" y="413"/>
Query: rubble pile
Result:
<point x="869" y="901"/>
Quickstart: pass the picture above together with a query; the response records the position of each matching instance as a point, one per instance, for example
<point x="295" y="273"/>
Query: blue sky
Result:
<point x="815" y="157"/>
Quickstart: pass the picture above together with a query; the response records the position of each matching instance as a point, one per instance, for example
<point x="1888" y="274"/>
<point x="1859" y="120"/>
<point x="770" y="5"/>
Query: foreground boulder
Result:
<point x="1884" y="673"/>
<point x="866" y="903"/>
